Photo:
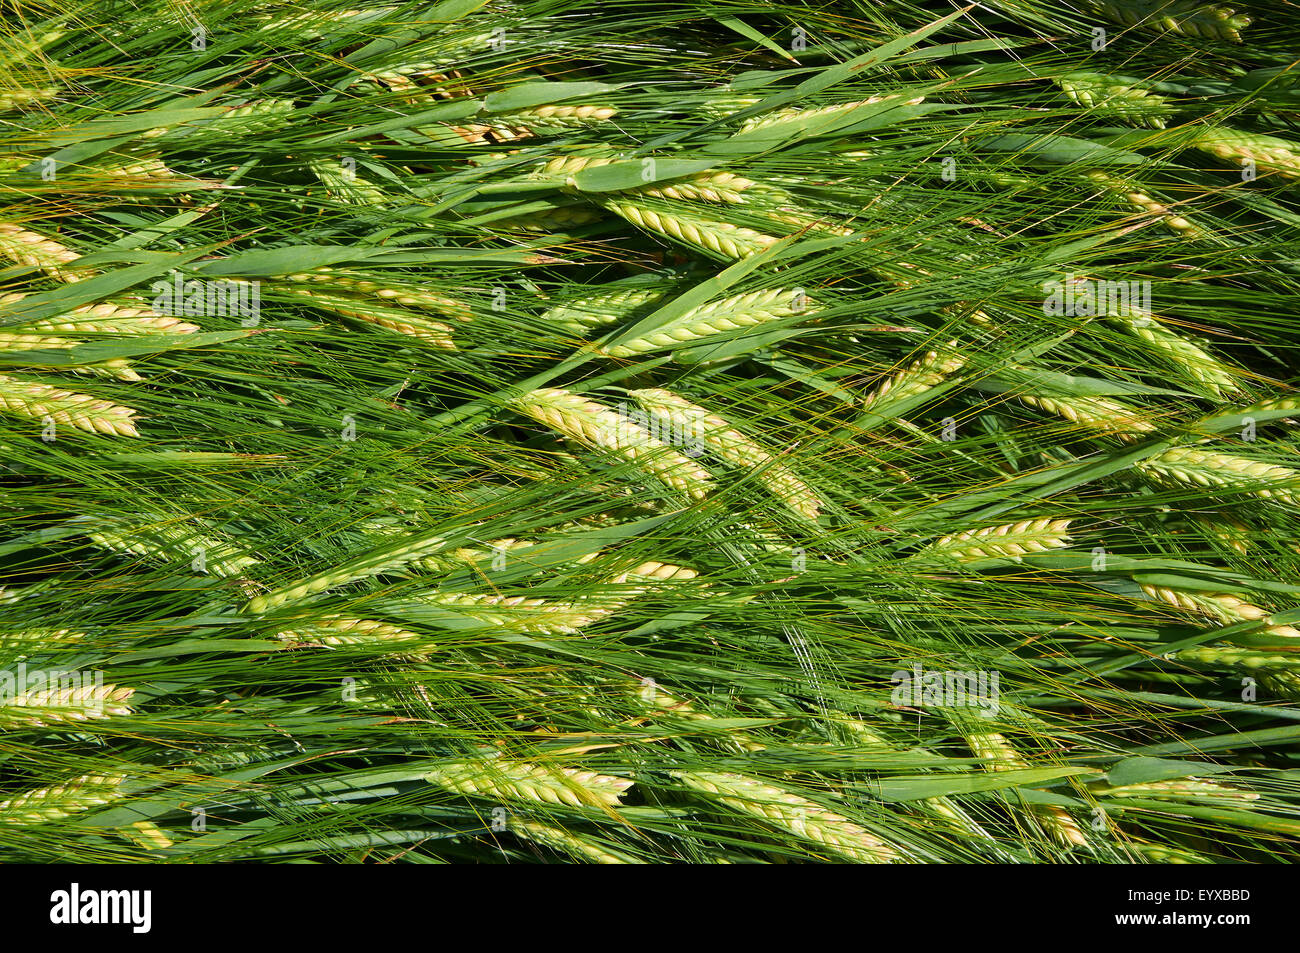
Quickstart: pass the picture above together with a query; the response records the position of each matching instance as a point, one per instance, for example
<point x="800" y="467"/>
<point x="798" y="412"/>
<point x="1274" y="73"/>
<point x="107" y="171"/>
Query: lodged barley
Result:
<point x="791" y="812"/>
<point x="52" y="707"/>
<point x="598" y="427"/>
<point x="1223" y="471"/>
<point x="58" y="801"/>
<point x="698" y="423"/>
<point x="1009" y="541"/>
<point x="721" y="238"/>
<point x="719" y="317"/>
<point x="37" y="251"/>
<point x="32" y="399"/>
<point x="525" y="781"/>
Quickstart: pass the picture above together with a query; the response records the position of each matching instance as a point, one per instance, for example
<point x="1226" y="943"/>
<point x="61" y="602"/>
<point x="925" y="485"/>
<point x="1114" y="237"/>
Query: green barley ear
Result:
<point x="524" y="781"/>
<point x="1130" y="192"/>
<point x="1199" y="366"/>
<point x="820" y="113"/>
<point x="596" y="426"/>
<point x="1277" y="669"/>
<point x="169" y="541"/>
<point x="56" y="707"/>
<point x="568" y="842"/>
<point x="925" y="374"/>
<point x="1009" y="541"/>
<point x="1102" y="414"/>
<point x="345" y="185"/>
<point x="1268" y="153"/>
<point x="38" y="251"/>
<point x="719" y="238"/>
<point x="118" y="368"/>
<point x="336" y="630"/>
<point x="582" y="315"/>
<point x="1222" y="607"/>
<point x="390" y="293"/>
<point x="61" y="800"/>
<point x="1183" y="789"/>
<point x="1000" y="755"/>
<point x="792" y="813"/>
<point x="31" y="399"/>
<point x="718" y="318"/>
<point x="731" y="445"/>
<point x="1223" y="471"/>
<point x="103" y="318"/>
<point x="414" y="325"/>
<point x="1184" y="18"/>
<point x="528" y="614"/>
<point x="1108" y="96"/>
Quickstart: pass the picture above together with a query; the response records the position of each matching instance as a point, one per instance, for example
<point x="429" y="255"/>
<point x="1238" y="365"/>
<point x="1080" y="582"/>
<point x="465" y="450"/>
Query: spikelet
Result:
<point x="596" y="426"/>
<point x="394" y="319"/>
<point x="1269" y="153"/>
<point x="105" y="319"/>
<point x="53" y="707"/>
<point x="931" y="370"/>
<point x="1162" y="854"/>
<point x="1107" y="96"/>
<point x="1131" y="193"/>
<point x="721" y="238"/>
<point x="791" y="812"/>
<point x="337" y="630"/>
<point x="383" y="560"/>
<point x="565" y="167"/>
<point x="798" y="114"/>
<point x="61" y="800"/>
<point x="250" y="119"/>
<point x="556" y="219"/>
<point x="1009" y="541"/>
<point x="524" y="781"/>
<point x="1223" y="471"/>
<point x="28" y="248"/>
<point x="1212" y="22"/>
<point x="1199" y="365"/>
<point x="709" y="187"/>
<point x="1095" y="413"/>
<point x="32" y="399"/>
<point x="722" y="106"/>
<point x="170" y="541"/>
<point x="688" y="419"/>
<point x="560" y="117"/>
<point x="592" y="311"/>
<point x="1000" y="755"/>
<point x="408" y="296"/>
<point x="718" y="317"/>
<point x="659" y="701"/>
<point x="117" y="368"/>
<point x="568" y="843"/>
<point x="1222" y="607"/>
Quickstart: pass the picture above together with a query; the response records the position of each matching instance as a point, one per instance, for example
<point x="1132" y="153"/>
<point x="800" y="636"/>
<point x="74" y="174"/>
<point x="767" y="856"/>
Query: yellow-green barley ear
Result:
<point x="524" y="781"/>
<point x="171" y="541"/>
<point x="1102" y="414"/>
<point x="390" y="293"/>
<point x="102" y="318"/>
<point x="56" y="802"/>
<point x="925" y="374"/>
<point x="596" y="426"/>
<point x="1009" y="541"/>
<point x="39" y="251"/>
<point x="344" y="184"/>
<point x="118" y="368"/>
<point x="722" y="239"/>
<point x="719" y="317"/>
<point x="1222" y="607"/>
<point x="581" y="315"/>
<point x="1268" y="153"/>
<point x="400" y="320"/>
<point x="568" y="842"/>
<point x="694" y="422"/>
<point x="55" y="707"/>
<point x="1131" y="193"/>
<point x="336" y="630"/>
<point x="793" y="813"/>
<point x="1199" y="366"/>
<point x="999" y="754"/>
<point x="39" y="401"/>
<point x="1223" y="471"/>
